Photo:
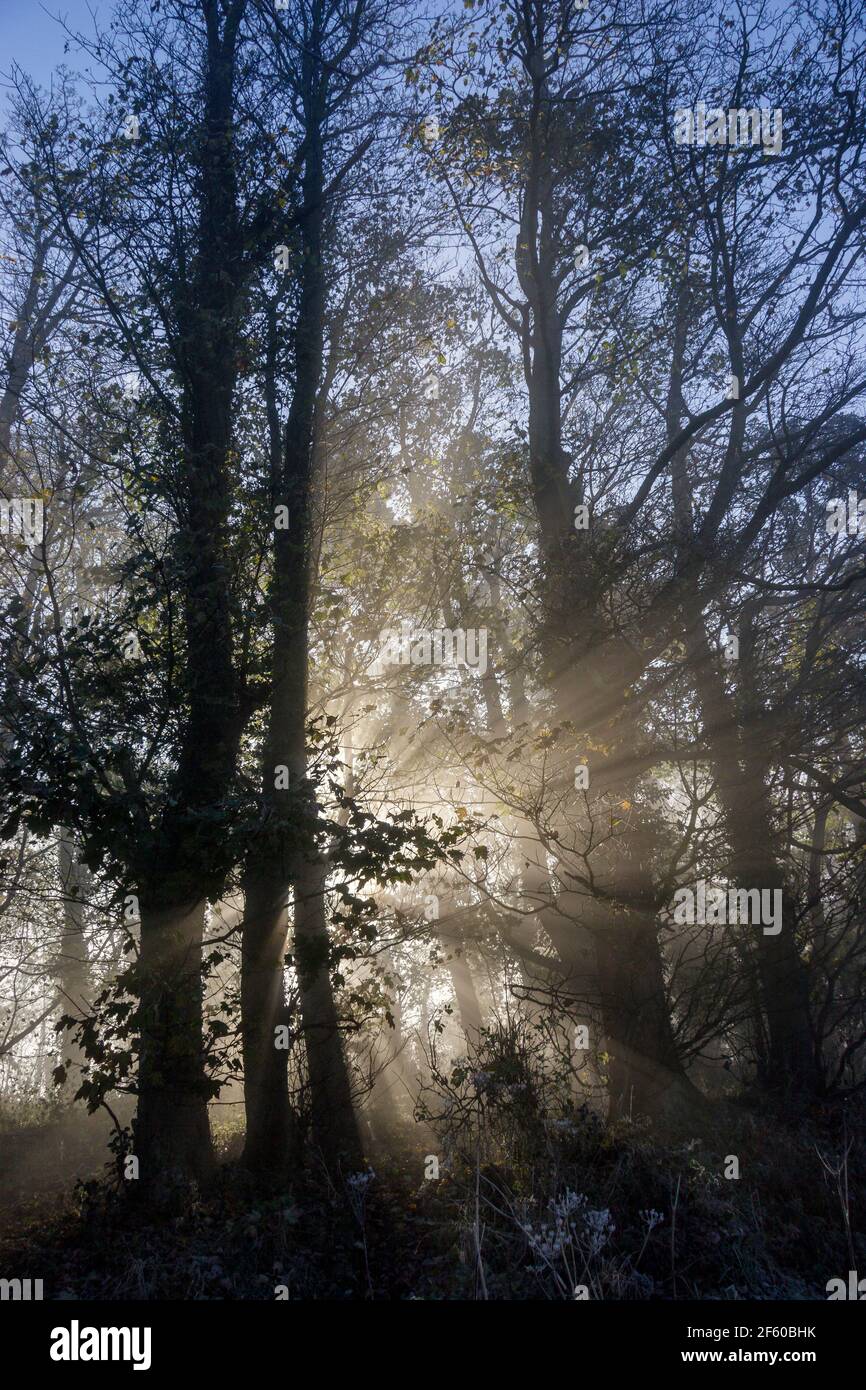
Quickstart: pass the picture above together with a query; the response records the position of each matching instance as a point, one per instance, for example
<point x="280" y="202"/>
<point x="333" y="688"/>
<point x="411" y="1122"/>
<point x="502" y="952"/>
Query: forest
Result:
<point x="432" y="709"/>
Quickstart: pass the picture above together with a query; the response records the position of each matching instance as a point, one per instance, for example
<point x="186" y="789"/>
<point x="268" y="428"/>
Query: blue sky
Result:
<point x="30" y="35"/>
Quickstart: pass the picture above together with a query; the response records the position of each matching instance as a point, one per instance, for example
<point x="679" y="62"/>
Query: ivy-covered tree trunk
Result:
<point x="270" y="1136"/>
<point x="187" y="863"/>
<point x="172" y="1135"/>
<point x="334" y="1124"/>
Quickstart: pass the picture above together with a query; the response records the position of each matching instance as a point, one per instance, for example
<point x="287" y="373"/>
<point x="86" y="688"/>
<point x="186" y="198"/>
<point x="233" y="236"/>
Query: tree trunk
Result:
<point x="452" y="942"/>
<point x="271" y="1131"/>
<point x="172" y="1136"/>
<point x="645" y="1073"/>
<point x="583" y="663"/>
<point x="285" y="852"/>
<point x="335" y="1128"/>
<point x="73" y="970"/>
<point x="740" y="767"/>
<point x="740" y="770"/>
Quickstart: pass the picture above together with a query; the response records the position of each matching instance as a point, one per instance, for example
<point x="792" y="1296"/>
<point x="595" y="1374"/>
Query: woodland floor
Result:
<point x="550" y="1222"/>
